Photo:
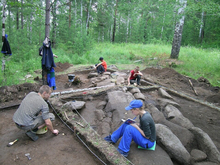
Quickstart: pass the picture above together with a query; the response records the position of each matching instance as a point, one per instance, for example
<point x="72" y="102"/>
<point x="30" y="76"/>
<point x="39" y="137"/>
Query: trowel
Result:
<point x="11" y="143"/>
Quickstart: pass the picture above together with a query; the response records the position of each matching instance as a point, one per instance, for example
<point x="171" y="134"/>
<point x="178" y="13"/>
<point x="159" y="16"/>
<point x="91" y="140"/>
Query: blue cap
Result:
<point x="134" y="104"/>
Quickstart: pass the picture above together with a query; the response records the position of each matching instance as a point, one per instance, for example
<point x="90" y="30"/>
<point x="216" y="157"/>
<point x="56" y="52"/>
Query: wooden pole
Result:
<point x="193" y="87"/>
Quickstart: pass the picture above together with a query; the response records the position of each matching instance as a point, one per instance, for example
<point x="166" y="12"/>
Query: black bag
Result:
<point x="41" y="51"/>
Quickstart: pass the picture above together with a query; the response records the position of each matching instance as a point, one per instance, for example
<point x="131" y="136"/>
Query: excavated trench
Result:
<point x="98" y="112"/>
<point x="93" y="111"/>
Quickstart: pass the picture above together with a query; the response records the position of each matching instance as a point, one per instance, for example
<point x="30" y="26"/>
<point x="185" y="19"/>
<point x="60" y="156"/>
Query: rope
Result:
<point x="80" y="138"/>
<point x="77" y="135"/>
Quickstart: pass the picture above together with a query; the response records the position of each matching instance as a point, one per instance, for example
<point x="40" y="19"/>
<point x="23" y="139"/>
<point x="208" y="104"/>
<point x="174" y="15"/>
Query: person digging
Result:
<point x="33" y="114"/>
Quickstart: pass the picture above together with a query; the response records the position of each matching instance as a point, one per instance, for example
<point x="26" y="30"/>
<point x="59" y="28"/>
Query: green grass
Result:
<point x="195" y="62"/>
<point x="200" y="63"/>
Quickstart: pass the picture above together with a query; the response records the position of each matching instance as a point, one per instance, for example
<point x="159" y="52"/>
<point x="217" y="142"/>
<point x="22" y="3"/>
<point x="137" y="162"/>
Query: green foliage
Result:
<point x="200" y="63"/>
<point x="143" y="33"/>
<point x="197" y="62"/>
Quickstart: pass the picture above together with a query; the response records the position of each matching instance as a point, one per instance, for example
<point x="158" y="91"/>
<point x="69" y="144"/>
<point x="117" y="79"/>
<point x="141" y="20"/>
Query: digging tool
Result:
<point x="28" y="156"/>
<point x="11" y="143"/>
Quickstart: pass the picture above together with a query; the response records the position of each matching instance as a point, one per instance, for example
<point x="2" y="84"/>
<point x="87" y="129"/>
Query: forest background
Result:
<point x="124" y="32"/>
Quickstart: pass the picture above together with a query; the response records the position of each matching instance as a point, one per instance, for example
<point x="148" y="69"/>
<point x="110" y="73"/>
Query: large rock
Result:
<point x="155" y="113"/>
<point x="72" y="105"/>
<point x="139" y="96"/>
<point x="198" y="155"/>
<point x="120" y="80"/>
<point x="164" y="102"/>
<point x="172" y="145"/>
<point x="92" y="74"/>
<point x="119" y="74"/>
<point x="99" y="114"/>
<point x="206" y="144"/>
<point x="135" y="90"/>
<point x="101" y="105"/>
<point x="164" y="94"/>
<point x="105" y="129"/>
<point x="175" y="116"/>
<point x="179" y="131"/>
<point x="117" y="101"/>
<point x="205" y="163"/>
<point x="146" y="157"/>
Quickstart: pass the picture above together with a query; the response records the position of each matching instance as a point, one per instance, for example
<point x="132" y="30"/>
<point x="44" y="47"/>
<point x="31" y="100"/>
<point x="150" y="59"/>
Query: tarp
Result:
<point x="6" y="47"/>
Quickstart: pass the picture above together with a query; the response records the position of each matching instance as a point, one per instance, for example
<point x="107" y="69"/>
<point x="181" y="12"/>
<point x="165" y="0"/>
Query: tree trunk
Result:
<point x="69" y="3"/>
<point x="87" y="22"/>
<point x="81" y="15"/>
<point x="3" y="30"/>
<point x="54" y="22"/>
<point x="17" y="17"/>
<point x="31" y="21"/>
<point x="47" y="34"/>
<point x="178" y="31"/>
<point x="75" y="13"/>
<point x="164" y="16"/>
<point x="22" y="16"/>
<point x="114" y="26"/>
<point x="47" y="23"/>
<point x="201" y="30"/>
<point x="127" y="31"/>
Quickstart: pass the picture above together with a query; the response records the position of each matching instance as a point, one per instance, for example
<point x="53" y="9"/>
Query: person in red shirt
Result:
<point x="135" y="77"/>
<point x="102" y="66"/>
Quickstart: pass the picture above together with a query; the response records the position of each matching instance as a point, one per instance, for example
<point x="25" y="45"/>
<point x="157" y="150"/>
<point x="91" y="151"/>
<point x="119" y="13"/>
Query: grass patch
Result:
<point x="192" y="62"/>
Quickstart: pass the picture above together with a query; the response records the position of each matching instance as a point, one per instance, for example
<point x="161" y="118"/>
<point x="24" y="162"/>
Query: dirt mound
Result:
<point x="169" y="78"/>
<point x="62" y="67"/>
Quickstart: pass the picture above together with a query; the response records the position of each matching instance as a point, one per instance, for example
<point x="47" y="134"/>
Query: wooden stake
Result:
<point x="193" y="87"/>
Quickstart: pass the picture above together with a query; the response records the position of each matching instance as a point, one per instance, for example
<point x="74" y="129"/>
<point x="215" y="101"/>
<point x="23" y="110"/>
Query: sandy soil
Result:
<point x="67" y="149"/>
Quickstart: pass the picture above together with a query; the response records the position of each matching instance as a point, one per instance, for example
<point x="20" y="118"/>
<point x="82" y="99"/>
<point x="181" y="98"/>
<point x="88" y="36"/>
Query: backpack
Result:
<point x="41" y="51"/>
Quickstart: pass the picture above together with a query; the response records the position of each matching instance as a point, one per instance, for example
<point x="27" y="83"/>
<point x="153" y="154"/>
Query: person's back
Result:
<point x="29" y="108"/>
<point x="146" y="119"/>
<point x="33" y="113"/>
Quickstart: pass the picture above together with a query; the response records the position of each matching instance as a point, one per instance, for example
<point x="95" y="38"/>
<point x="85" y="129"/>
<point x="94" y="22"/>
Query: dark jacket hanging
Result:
<point x="47" y="58"/>
<point x="6" y="47"/>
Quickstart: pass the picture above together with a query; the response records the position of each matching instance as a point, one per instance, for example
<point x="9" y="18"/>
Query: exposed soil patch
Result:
<point x="64" y="149"/>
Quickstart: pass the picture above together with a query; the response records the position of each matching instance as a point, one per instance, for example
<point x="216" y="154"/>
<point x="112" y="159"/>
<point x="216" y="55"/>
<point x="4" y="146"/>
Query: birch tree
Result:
<point x="178" y="30"/>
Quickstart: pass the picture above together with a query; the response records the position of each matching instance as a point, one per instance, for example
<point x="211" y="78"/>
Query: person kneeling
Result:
<point x="33" y="113"/>
<point x="135" y="77"/>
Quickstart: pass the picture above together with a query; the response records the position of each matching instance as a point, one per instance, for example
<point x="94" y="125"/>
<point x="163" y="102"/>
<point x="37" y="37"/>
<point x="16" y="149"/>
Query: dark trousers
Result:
<point x="100" y="69"/>
<point x="137" y="79"/>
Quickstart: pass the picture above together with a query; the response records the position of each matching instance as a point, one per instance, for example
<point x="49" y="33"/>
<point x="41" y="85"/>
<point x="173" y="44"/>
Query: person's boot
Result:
<point x="32" y="135"/>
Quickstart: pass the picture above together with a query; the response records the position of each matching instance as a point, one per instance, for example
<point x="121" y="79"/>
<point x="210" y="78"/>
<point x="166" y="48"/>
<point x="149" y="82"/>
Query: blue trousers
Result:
<point x="129" y="133"/>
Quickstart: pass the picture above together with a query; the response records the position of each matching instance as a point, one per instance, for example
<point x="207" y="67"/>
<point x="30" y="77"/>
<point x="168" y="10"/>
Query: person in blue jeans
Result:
<point x="144" y="134"/>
